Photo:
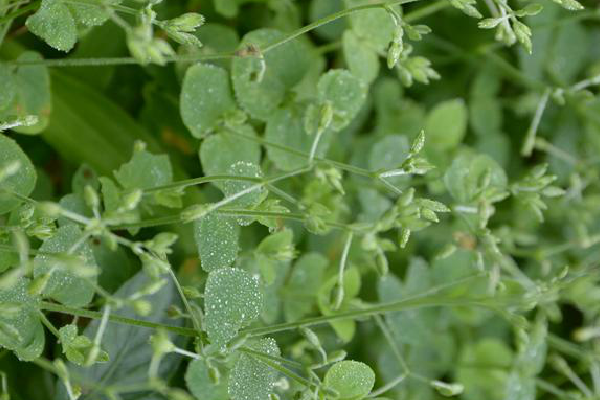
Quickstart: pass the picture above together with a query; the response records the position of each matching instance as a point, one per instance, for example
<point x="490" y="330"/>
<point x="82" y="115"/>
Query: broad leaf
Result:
<point x="199" y="383"/>
<point x="302" y="287"/>
<point x="232" y="299"/>
<point x="286" y="128"/>
<point x="375" y="26"/>
<point x="127" y="345"/>
<point x="361" y="60"/>
<point x="219" y="152"/>
<point x="65" y="284"/>
<point x="217" y="239"/>
<point x="346" y="328"/>
<point x="446" y="124"/>
<point x="54" y="23"/>
<point x="8" y="87"/>
<point x="22" y="332"/>
<point x="252" y="379"/>
<point x="463" y="177"/>
<point x="346" y="93"/>
<point x="352" y="379"/>
<point x="21" y="182"/>
<point x="145" y="170"/>
<point x="205" y="98"/>
<point x="284" y="66"/>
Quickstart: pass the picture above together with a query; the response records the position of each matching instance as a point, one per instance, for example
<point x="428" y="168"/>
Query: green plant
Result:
<point x="381" y="208"/>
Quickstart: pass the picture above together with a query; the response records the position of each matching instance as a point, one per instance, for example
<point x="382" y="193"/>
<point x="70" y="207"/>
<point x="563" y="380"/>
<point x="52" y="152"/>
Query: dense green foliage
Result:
<point x="299" y="199"/>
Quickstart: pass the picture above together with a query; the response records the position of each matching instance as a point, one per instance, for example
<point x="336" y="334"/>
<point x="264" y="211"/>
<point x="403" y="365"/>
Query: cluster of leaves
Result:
<point x="253" y="208"/>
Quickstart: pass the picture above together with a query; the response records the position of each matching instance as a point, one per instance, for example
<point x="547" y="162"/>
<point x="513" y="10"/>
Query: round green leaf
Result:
<point x="217" y="239"/>
<point x="205" y="98"/>
<point x="346" y="328"/>
<point x="232" y="299"/>
<point x="8" y="87"/>
<point x="88" y="14"/>
<point x="463" y="176"/>
<point x="321" y="9"/>
<point x="252" y="379"/>
<point x="388" y="153"/>
<point x="446" y="124"/>
<point x="145" y="170"/>
<point x="21" y="182"/>
<point x="233" y="187"/>
<point x="352" y="379"/>
<point x="54" y="23"/>
<point x="64" y="285"/>
<point x="23" y="333"/>
<point x="33" y="94"/>
<point x="199" y="383"/>
<point x="285" y="65"/>
<point x="361" y="60"/>
<point x="286" y="128"/>
<point x="219" y="152"/>
<point x="376" y="26"/>
<point x="303" y="286"/>
<point x="346" y="93"/>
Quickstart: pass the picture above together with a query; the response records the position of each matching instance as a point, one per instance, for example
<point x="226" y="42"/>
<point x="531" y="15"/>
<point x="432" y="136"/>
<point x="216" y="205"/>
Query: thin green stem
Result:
<point x="285" y="371"/>
<point x="529" y="141"/>
<point x="195" y="321"/>
<point x="199" y="181"/>
<point x="331" y="18"/>
<point x="290" y="150"/>
<point x="112" y="61"/>
<point x="291" y="363"/>
<point x="52" y="307"/>
<point x="49" y="325"/>
<point x="176" y="219"/>
<point x="429" y="299"/>
<point x="392" y="343"/>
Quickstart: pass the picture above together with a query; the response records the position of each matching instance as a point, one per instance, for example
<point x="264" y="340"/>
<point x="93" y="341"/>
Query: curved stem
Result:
<point x="330" y="18"/>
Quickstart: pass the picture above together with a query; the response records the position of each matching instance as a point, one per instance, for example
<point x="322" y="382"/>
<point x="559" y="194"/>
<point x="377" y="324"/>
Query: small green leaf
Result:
<point x="22" y="181"/>
<point x="278" y="246"/>
<point x="352" y="379"/>
<point x="90" y="14"/>
<point x="128" y="345"/>
<point x="232" y="187"/>
<point x="303" y="286"/>
<point x="284" y="67"/>
<point x="485" y="383"/>
<point x="346" y="93"/>
<point x="219" y="152"/>
<point x="233" y="299"/>
<point x="205" y="98"/>
<point x="54" y="23"/>
<point x="345" y="329"/>
<point x="375" y="26"/>
<point x="145" y="170"/>
<point x="389" y="152"/>
<point x="251" y="379"/>
<point x="200" y="384"/>
<point x="446" y="124"/>
<point x="32" y="96"/>
<point x="65" y="284"/>
<point x="361" y="60"/>
<point x="217" y="239"/>
<point x="8" y="87"/>
<point x="463" y="177"/>
<point x="286" y="128"/>
<point x="23" y="332"/>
